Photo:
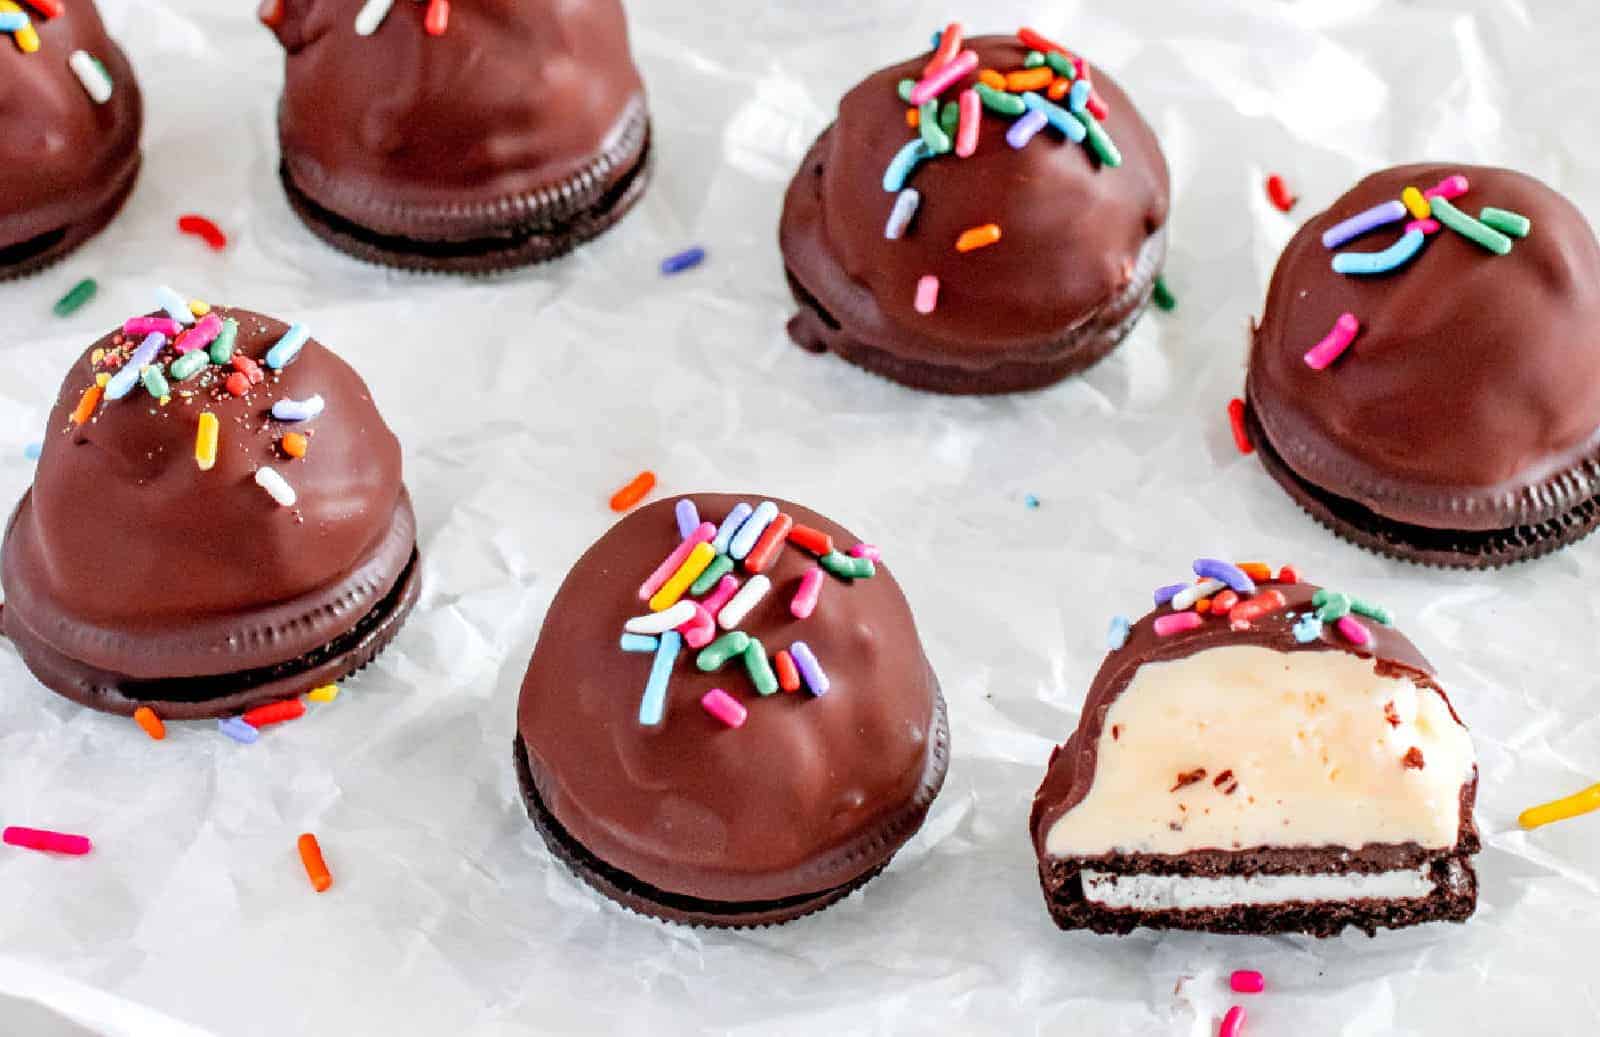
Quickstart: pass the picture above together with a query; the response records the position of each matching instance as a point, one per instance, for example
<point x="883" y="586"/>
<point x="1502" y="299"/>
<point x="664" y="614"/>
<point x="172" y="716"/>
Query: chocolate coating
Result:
<point x="126" y="560"/>
<point x="1079" y="249"/>
<point x="66" y="163"/>
<point x="810" y="794"/>
<point x="521" y="113"/>
<point x="1072" y="766"/>
<point x="1470" y="400"/>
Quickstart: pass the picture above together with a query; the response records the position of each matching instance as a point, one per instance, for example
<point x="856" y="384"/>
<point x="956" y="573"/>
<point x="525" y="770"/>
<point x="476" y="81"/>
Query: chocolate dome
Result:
<point x="67" y="162"/>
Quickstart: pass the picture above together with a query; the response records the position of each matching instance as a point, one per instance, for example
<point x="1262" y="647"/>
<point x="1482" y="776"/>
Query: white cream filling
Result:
<point x="1241" y="747"/>
<point x="1187" y="893"/>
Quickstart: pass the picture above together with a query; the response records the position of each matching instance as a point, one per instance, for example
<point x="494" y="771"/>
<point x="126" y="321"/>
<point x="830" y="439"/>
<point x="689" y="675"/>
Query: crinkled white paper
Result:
<point x="523" y="401"/>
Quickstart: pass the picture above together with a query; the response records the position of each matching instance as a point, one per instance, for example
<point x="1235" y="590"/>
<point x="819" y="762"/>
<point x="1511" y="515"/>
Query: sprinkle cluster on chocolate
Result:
<point x="88" y="68"/>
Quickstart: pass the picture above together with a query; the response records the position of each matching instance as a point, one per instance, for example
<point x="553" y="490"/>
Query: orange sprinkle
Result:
<point x="978" y="237"/>
<point x="913" y="118"/>
<point x="1061" y="87"/>
<point x="1257" y="571"/>
<point x="1203" y="605"/>
<point x="990" y="78"/>
<point x="634" y="492"/>
<point x="316" y="868"/>
<point x="146" y="718"/>
<point x="1029" y="79"/>
<point x="294" y="444"/>
<point x="788" y="673"/>
<point x="86" y="404"/>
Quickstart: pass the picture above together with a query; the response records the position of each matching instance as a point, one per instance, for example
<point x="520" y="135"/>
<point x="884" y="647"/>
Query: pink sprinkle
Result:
<point x="1247" y="981"/>
<point x="805" y="599"/>
<point x="726" y="588"/>
<point x="1177" y="623"/>
<point x="927" y="293"/>
<point x="967" y="128"/>
<point x="48" y="841"/>
<point x="151" y="325"/>
<point x="724" y="707"/>
<point x="1429" y="226"/>
<point x="1337" y="341"/>
<point x="1232" y="1023"/>
<point x="201" y="335"/>
<point x="700" y="630"/>
<point x="1354" y="632"/>
<point x="703" y="534"/>
<point x="936" y="83"/>
<point x="1448" y="188"/>
<point x="867" y="551"/>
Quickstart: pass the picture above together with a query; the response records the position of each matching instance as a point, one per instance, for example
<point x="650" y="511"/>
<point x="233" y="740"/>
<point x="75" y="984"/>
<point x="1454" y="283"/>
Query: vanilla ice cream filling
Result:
<point x="1244" y="747"/>
<point x="1187" y="893"/>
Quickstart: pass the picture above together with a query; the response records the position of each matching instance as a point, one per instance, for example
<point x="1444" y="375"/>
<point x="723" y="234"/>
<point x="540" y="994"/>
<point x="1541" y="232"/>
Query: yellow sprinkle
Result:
<point x="27" y="38"/>
<point x="687" y="573"/>
<point x="1420" y="208"/>
<point x="199" y="307"/>
<point x="102" y="378"/>
<point x="1561" y="809"/>
<point x="205" y="442"/>
<point x="97" y="356"/>
<point x="326" y="693"/>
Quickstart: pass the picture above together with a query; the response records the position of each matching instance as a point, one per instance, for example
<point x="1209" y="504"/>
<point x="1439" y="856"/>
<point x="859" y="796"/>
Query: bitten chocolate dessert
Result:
<point x="71" y="113"/>
<point x="217" y="520"/>
<point x="1259" y="755"/>
<point x="1425" y="379"/>
<point x="467" y="136"/>
<point x="990" y="218"/>
<point x="763" y="737"/>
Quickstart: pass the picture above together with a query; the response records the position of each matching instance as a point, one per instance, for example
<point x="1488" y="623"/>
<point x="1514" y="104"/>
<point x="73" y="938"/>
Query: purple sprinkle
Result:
<point x="688" y="258"/>
<point x="688" y="517"/>
<point x="1227" y="572"/>
<point x="1167" y="593"/>
<point x="810" y="669"/>
<point x="1024" y="129"/>
<point x="238" y="729"/>
<point x="1391" y="211"/>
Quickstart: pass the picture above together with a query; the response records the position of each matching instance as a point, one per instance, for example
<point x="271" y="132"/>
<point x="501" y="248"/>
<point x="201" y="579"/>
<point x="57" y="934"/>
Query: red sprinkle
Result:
<point x="1224" y="601"/>
<point x="1241" y="437"/>
<point x="769" y="544"/>
<point x="270" y="12"/>
<point x="1232" y="1023"/>
<point x="48" y="8"/>
<point x="1247" y="981"/>
<point x="275" y="713"/>
<point x="1262" y="604"/>
<point x="788" y="673"/>
<point x="203" y="229"/>
<point x="46" y="840"/>
<point x="813" y="540"/>
<point x="1287" y="574"/>
<point x="438" y="17"/>
<point x="237" y="384"/>
<point x="634" y="492"/>
<point x="249" y="368"/>
<point x="1278" y="191"/>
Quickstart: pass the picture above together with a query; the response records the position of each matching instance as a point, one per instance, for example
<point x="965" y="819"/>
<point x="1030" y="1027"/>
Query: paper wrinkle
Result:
<point x="523" y="400"/>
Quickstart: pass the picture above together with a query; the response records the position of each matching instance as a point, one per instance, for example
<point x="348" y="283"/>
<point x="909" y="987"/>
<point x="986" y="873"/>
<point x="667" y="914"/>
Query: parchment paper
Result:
<point x="523" y="401"/>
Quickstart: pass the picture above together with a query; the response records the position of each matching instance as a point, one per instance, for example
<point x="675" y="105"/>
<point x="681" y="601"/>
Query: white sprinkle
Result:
<point x="661" y="622"/>
<point x="275" y="486"/>
<point x="740" y="604"/>
<point x="371" y="15"/>
<point x="1189" y="595"/>
<point x="96" y="83"/>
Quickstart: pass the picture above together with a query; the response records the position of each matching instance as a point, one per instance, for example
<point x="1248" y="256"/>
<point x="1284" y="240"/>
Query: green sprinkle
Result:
<point x="155" y="381"/>
<point x="81" y="293"/>
<point x="1033" y="59"/>
<point x="720" y="566"/>
<point x="1506" y="221"/>
<point x="999" y="101"/>
<point x="1333" y="606"/>
<point x="937" y="140"/>
<point x="755" y="662"/>
<point x="904" y="88"/>
<point x="189" y="364"/>
<point x="221" y="350"/>
<point x="1376" y="613"/>
<point x="1100" y="141"/>
<point x="1060" y="65"/>
<point x="847" y="568"/>
<point x="1163" y="296"/>
<point x="1469" y="228"/>
<point x="950" y="117"/>
<point x="714" y="655"/>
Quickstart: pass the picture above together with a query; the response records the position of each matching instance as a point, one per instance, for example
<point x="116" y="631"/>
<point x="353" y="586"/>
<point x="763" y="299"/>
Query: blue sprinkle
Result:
<point x="1058" y="117"/>
<point x="236" y="729"/>
<point x="298" y="410"/>
<point x="654" y="704"/>
<point x="31" y="451"/>
<point x="938" y="37"/>
<point x="1117" y="636"/>
<point x="750" y="531"/>
<point x="175" y="305"/>
<point x="1170" y="591"/>
<point x="1078" y="99"/>
<point x="904" y="161"/>
<point x="288" y="347"/>
<point x="639" y="643"/>
<point x="687" y="259"/>
<point x="730" y="526"/>
<point x="1391" y="258"/>
<point x="1031" y="501"/>
<point x="1307" y="628"/>
<point x="11" y="21"/>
